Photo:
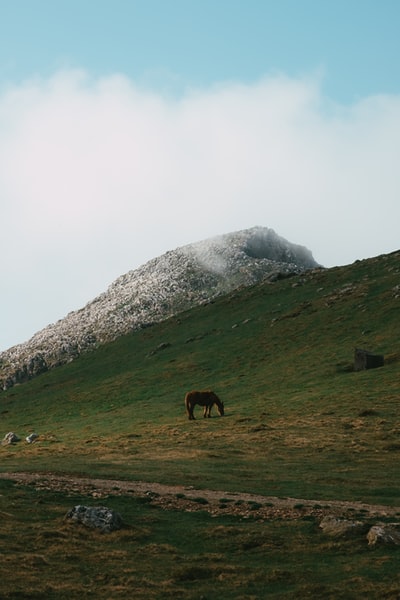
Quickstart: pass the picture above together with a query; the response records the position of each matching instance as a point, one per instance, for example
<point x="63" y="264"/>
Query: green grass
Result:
<point x="163" y="554"/>
<point x="299" y="422"/>
<point x="280" y="357"/>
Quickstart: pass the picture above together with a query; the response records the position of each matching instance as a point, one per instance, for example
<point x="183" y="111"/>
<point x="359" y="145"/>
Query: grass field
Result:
<point x="166" y="554"/>
<point x="299" y="422"/>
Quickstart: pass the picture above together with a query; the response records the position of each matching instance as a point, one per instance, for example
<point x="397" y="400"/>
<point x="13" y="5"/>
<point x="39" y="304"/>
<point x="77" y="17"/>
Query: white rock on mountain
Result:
<point x="167" y="285"/>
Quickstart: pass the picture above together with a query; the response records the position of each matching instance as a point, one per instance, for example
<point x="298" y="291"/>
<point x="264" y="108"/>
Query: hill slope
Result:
<point x="302" y="433"/>
<point x="298" y="420"/>
<point x="165" y="286"/>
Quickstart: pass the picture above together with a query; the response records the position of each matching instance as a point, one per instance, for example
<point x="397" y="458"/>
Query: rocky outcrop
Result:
<point x="378" y="534"/>
<point x="387" y="534"/>
<point x="163" y="287"/>
<point x="10" y="438"/>
<point x="96" y="517"/>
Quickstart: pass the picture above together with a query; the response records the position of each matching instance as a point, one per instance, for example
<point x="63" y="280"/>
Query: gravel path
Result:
<point x="175" y="497"/>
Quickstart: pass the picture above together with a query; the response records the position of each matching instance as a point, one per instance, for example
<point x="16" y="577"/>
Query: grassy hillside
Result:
<point x="298" y="420"/>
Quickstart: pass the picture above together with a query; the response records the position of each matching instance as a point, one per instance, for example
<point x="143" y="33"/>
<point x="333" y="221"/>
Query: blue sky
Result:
<point x="172" y="44"/>
<point x="128" y="128"/>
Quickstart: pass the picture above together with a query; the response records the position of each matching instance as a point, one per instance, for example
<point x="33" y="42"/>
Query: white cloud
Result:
<point x="98" y="176"/>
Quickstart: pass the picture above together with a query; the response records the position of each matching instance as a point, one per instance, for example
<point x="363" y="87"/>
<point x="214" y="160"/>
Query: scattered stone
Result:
<point x="278" y="275"/>
<point x="336" y="527"/>
<point x="384" y="534"/>
<point x="163" y="346"/>
<point x="96" y="517"/>
<point x="32" y="437"/>
<point x="10" y="438"/>
<point x="160" y="347"/>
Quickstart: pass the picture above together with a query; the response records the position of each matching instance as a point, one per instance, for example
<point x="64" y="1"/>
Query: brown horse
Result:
<point x="206" y="399"/>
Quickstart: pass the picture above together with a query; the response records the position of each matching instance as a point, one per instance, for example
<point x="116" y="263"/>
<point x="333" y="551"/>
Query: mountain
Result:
<point x="174" y="282"/>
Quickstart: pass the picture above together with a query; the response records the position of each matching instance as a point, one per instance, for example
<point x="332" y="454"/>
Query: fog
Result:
<point x="97" y="176"/>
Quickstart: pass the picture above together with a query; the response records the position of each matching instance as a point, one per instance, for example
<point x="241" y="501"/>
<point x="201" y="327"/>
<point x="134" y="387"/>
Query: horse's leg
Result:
<point x="189" y="410"/>
<point x="205" y="411"/>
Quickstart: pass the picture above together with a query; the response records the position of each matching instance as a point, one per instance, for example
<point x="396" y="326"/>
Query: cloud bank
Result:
<point x="97" y="176"/>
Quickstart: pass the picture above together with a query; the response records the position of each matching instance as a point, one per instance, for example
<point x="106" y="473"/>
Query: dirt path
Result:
<point x="216" y="502"/>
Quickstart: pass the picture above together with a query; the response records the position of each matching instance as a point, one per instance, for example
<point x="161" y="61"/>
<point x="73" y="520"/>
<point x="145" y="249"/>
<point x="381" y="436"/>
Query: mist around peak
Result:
<point x="219" y="253"/>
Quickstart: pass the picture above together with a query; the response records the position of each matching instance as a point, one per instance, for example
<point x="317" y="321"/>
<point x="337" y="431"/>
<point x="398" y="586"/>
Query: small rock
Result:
<point x="31" y="438"/>
<point x="384" y="534"/>
<point x="97" y="517"/>
<point x="336" y="527"/>
<point x="10" y="438"/>
<point x="163" y="346"/>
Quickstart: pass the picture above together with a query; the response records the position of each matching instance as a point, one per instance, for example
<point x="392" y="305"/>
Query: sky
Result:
<point x="132" y="127"/>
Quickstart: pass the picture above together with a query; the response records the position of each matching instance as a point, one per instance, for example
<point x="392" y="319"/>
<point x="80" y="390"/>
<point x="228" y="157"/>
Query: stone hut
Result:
<point x="363" y="359"/>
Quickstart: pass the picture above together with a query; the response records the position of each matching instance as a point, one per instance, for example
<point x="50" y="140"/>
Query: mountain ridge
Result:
<point x="164" y="286"/>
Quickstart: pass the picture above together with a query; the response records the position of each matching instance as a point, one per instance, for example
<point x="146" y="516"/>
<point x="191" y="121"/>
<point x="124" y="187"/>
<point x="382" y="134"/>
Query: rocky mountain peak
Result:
<point x="164" y="286"/>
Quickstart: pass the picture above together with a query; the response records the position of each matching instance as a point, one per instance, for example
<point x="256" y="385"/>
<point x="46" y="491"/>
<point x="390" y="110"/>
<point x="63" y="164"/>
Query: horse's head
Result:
<point x="221" y="409"/>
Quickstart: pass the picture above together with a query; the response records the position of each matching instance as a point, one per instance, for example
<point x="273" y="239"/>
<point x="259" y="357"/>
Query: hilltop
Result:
<point x="165" y="286"/>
